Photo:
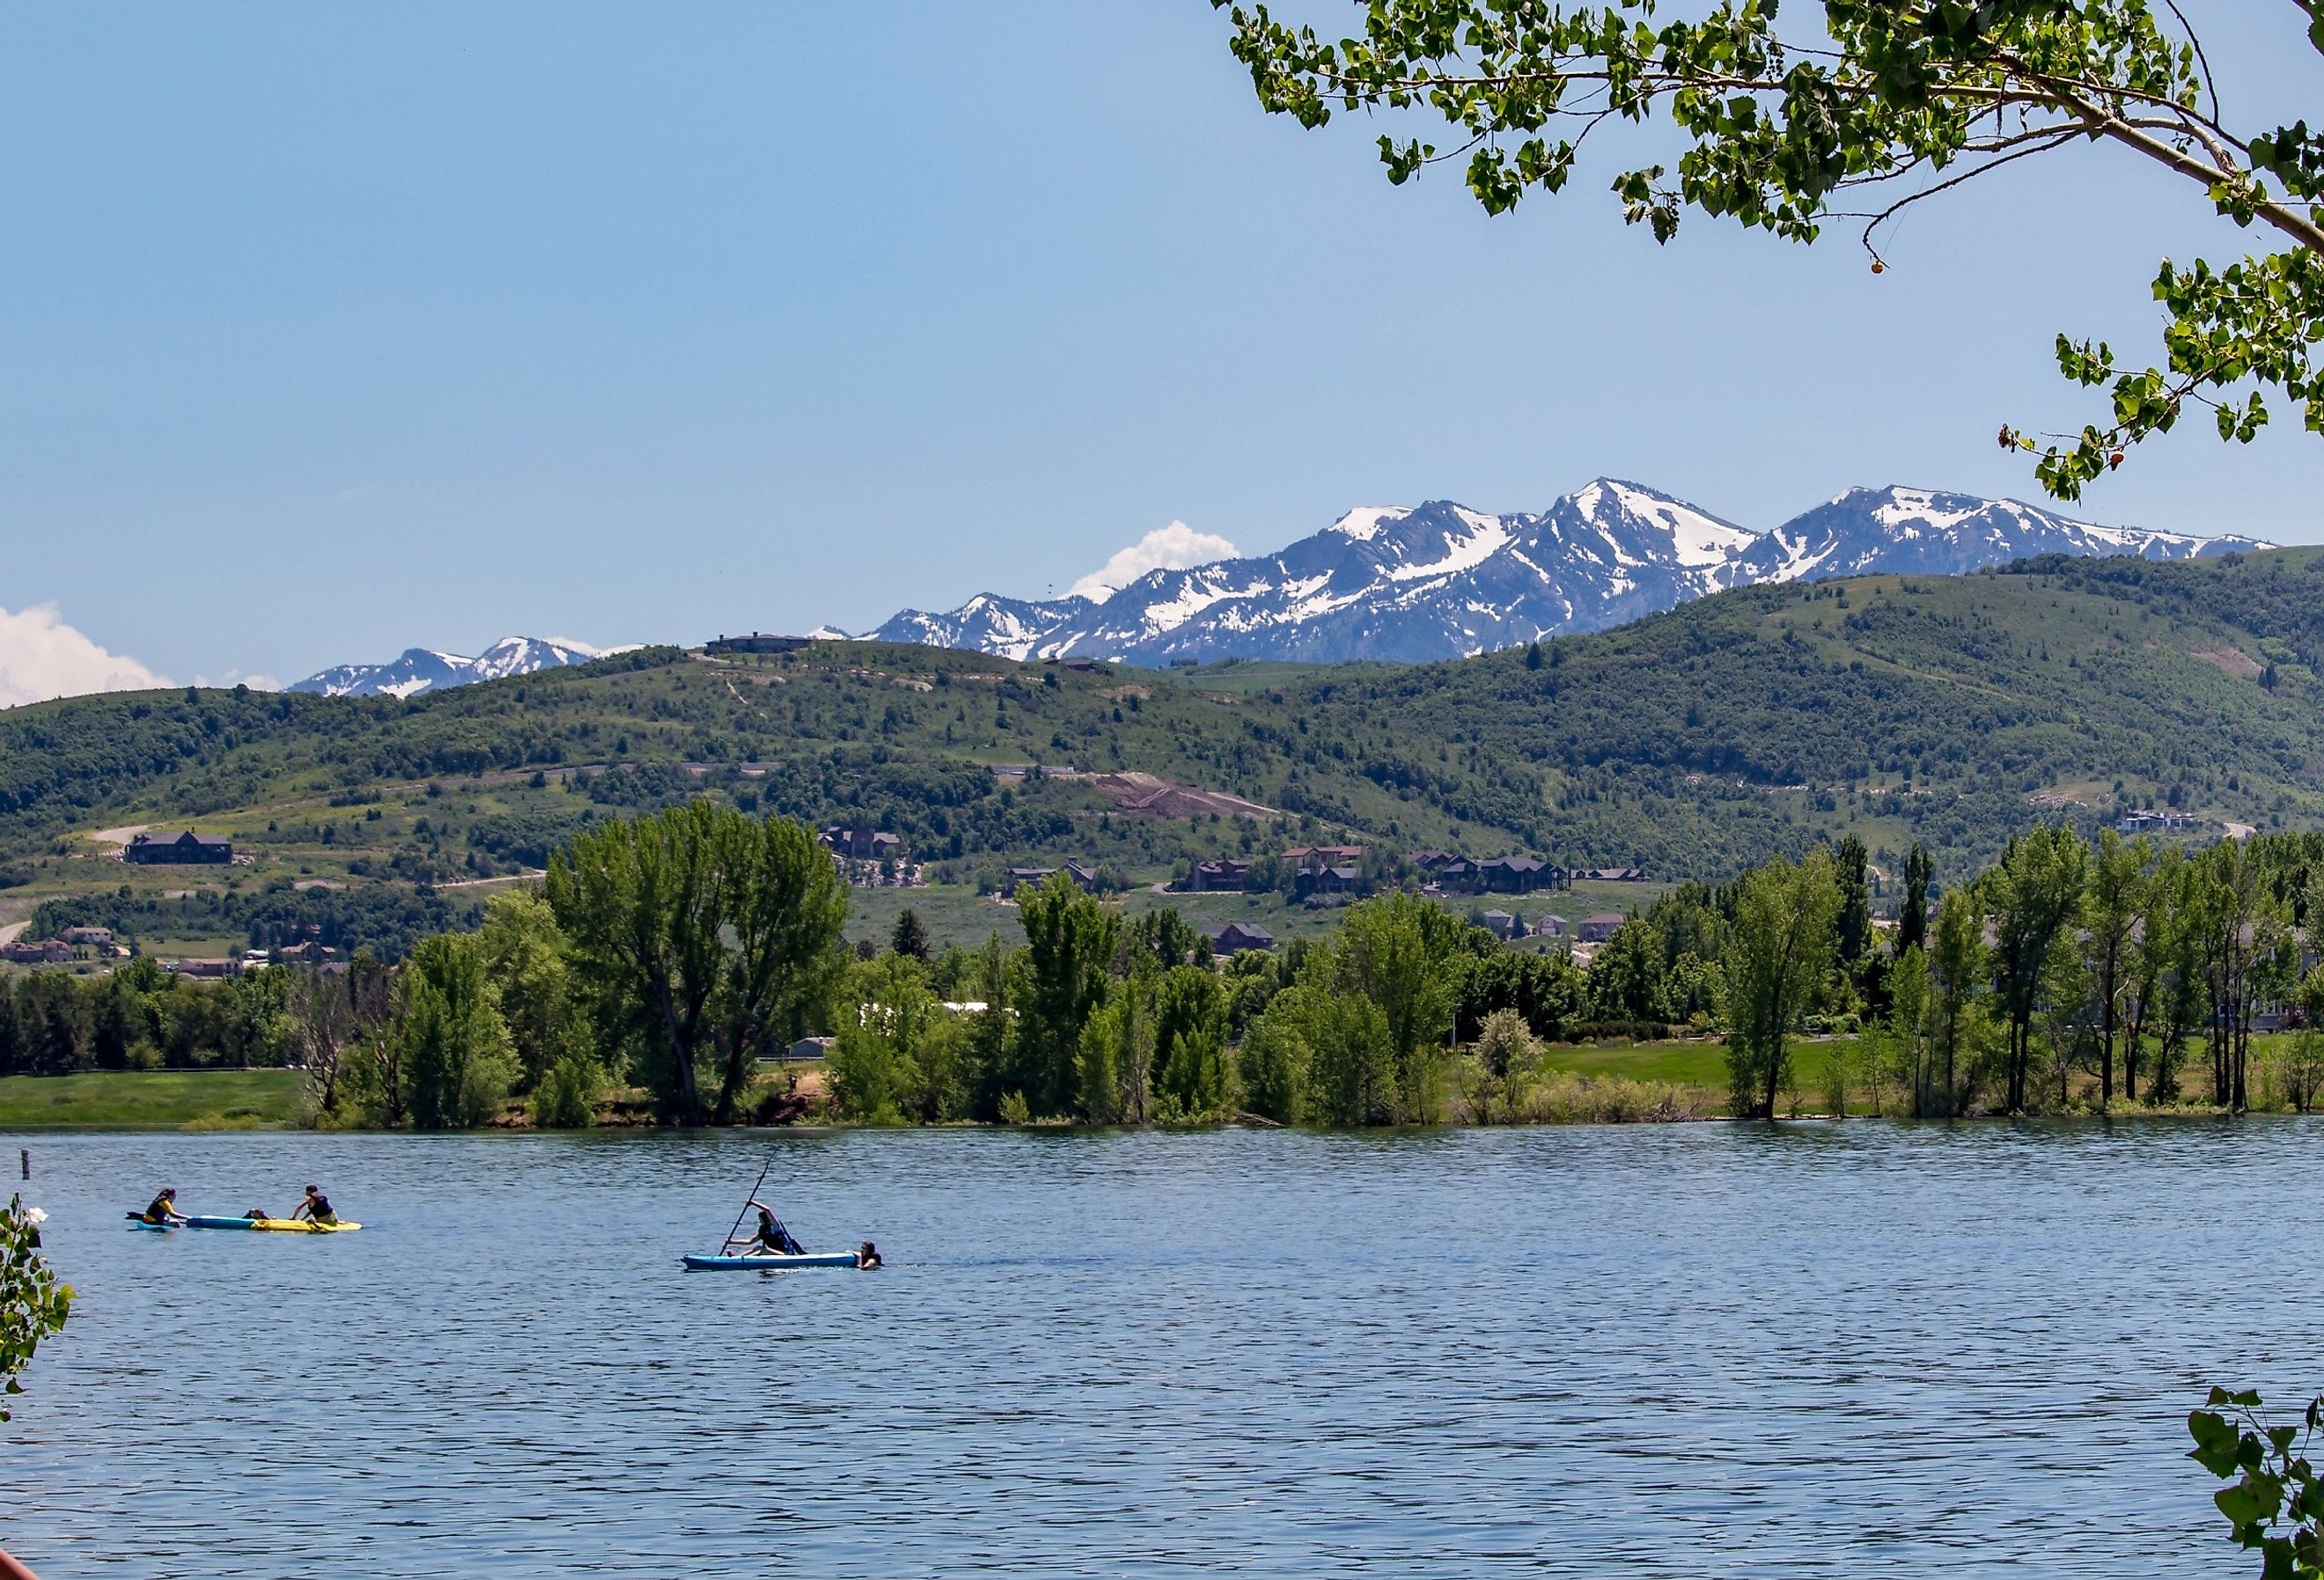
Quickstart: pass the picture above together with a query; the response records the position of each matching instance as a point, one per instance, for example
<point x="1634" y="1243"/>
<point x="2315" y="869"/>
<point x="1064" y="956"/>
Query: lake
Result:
<point x="1809" y="1349"/>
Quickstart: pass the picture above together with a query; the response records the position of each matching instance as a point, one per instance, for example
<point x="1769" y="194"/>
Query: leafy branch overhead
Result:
<point x="1893" y="102"/>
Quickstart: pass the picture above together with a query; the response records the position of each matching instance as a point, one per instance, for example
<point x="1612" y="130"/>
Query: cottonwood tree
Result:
<point x="2117" y="896"/>
<point x="2034" y="897"/>
<point x="1069" y="946"/>
<point x="1890" y="104"/>
<point x="702" y="934"/>
<point x="1779" y="948"/>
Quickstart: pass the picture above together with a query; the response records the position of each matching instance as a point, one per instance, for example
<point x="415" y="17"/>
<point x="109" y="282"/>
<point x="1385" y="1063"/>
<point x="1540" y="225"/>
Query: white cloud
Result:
<point x="1172" y="548"/>
<point x="236" y="677"/>
<point x="42" y="657"/>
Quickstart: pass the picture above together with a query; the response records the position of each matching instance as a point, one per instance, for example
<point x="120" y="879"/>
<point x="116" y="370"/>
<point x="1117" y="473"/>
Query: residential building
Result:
<point x="1503" y="925"/>
<point x="861" y="841"/>
<point x="1325" y="880"/>
<point x="1224" y="875"/>
<point x="757" y="642"/>
<point x="1597" y="929"/>
<point x="189" y="848"/>
<point x="1237" y="936"/>
<point x="1017" y="877"/>
<point x="806" y="1051"/>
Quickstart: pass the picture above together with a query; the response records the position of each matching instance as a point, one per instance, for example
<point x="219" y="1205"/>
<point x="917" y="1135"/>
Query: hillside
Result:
<point x="1954" y="710"/>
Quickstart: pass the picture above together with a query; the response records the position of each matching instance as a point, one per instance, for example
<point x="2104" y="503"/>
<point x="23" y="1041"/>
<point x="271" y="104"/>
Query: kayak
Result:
<point x="300" y="1226"/>
<point x="203" y="1221"/>
<point x="735" y="1264"/>
<point x="137" y="1222"/>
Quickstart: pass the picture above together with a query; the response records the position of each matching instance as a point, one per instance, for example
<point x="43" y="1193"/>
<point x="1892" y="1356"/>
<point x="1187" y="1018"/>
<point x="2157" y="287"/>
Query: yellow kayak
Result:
<point x="300" y="1226"/>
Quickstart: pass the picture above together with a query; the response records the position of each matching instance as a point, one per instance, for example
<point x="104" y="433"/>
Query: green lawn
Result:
<point x="1683" y="1064"/>
<point x="156" y="1100"/>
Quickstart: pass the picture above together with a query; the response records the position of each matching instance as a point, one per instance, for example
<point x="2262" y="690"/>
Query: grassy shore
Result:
<point x="155" y="1100"/>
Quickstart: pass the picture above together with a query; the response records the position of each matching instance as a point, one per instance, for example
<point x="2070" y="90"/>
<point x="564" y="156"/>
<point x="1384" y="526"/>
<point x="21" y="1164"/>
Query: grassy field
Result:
<point x="155" y="1100"/>
<point x="1682" y="1064"/>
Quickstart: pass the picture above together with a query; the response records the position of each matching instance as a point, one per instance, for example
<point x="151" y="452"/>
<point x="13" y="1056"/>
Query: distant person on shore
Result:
<point x="164" y="1209"/>
<point x="316" y="1209"/>
<point x="867" y="1257"/>
<point x="770" y="1237"/>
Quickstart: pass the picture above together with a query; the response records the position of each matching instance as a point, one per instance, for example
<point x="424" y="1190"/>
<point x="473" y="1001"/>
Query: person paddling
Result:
<point x="867" y="1257"/>
<point x="164" y="1209"/>
<point x="771" y="1236"/>
<point x="316" y="1209"/>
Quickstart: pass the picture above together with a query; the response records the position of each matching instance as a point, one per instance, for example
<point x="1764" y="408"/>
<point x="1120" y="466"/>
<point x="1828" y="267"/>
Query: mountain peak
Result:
<point x="421" y="669"/>
<point x="1440" y="579"/>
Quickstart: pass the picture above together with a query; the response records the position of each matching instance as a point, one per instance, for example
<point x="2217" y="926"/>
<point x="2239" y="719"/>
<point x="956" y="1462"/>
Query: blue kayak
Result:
<point x="741" y="1264"/>
<point x="200" y="1221"/>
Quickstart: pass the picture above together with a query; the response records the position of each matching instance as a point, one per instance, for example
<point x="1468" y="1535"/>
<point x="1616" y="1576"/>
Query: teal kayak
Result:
<point x="137" y="1222"/>
<point x="739" y="1265"/>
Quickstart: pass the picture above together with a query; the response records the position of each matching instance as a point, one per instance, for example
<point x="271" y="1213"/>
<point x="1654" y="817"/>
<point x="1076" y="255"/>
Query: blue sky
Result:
<point x="333" y="330"/>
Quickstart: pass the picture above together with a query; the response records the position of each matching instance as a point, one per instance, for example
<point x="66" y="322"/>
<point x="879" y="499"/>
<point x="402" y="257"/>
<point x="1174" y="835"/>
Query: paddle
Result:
<point x="746" y="1204"/>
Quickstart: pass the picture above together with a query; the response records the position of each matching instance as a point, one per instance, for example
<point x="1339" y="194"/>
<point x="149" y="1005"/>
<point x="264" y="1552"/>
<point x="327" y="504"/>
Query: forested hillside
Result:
<point x="1953" y="710"/>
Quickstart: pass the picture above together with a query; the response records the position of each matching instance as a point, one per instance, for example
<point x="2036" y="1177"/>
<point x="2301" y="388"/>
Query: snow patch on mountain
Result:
<point x="423" y="668"/>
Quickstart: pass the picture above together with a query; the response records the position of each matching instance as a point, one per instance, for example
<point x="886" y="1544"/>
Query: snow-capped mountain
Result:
<point x="1440" y="580"/>
<point x="422" y="670"/>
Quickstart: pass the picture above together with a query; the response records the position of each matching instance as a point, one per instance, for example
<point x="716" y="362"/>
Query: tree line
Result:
<point x="680" y="953"/>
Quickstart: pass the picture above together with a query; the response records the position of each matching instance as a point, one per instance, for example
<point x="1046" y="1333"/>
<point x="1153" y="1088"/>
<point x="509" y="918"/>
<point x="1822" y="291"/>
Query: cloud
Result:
<point x="1172" y="548"/>
<point x="42" y="657"/>
<point x="236" y="677"/>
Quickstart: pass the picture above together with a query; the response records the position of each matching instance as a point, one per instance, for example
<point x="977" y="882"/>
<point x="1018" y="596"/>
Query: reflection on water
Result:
<point x="1699" y="1350"/>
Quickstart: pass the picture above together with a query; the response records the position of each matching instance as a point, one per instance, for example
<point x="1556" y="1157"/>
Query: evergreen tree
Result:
<point x="1913" y="919"/>
<point x="910" y="938"/>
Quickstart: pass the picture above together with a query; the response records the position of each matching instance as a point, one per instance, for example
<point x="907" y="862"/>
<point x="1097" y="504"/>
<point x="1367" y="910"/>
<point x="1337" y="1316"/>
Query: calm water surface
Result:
<point x="1697" y="1350"/>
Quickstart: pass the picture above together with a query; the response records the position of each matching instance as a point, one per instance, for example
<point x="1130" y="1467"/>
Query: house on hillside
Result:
<point x="1017" y="877"/>
<point x="1237" y="936"/>
<point x="1225" y="875"/>
<point x="1503" y="925"/>
<point x="187" y="848"/>
<point x="1597" y="929"/>
<point x="1612" y="874"/>
<point x="861" y="842"/>
<point x="96" y="937"/>
<point x="1300" y="858"/>
<point x="757" y="642"/>
<point x="1549" y="926"/>
<point x="1517" y="874"/>
<point x="228" y="966"/>
<point x="2156" y="822"/>
<point x="37" y="952"/>
<point x="1326" y="881"/>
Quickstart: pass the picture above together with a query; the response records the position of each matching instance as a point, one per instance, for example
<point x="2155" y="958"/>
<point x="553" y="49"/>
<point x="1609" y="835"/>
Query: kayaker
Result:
<point x="771" y="1236"/>
<point x="316" y="1209"/>
<point x="164" y="1209"/>
<point x="867" y="1256"/>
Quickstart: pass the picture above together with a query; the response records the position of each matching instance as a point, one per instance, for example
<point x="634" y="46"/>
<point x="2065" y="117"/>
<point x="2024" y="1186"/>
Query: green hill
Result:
<point x="1953" y="710"/>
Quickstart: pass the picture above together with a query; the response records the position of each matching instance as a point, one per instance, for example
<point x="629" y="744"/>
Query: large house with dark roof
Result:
<point x="188" y="848"/>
